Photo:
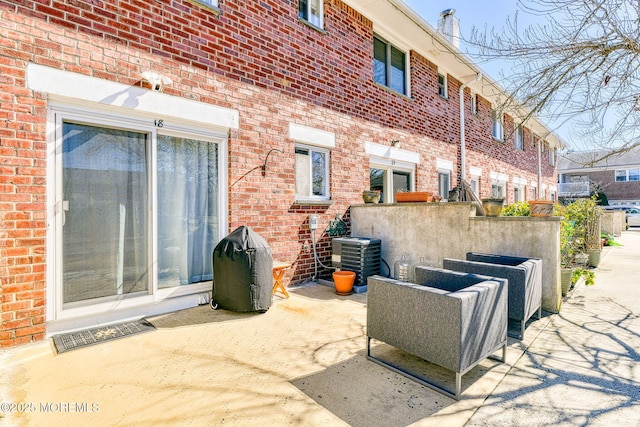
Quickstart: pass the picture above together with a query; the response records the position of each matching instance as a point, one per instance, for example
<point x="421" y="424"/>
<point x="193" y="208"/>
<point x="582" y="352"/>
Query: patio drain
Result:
<point x="79" y="339"/>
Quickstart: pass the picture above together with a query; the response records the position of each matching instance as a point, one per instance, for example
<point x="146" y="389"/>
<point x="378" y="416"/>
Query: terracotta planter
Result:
<point x="343" y="280"/>
<point x="414" y="196"/>
<point x="492" y="207"/>
<point x="541" y="208"/>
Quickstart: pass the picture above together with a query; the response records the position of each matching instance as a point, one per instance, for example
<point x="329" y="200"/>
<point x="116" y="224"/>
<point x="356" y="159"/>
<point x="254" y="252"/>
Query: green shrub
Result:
<point x="516" y="209"/>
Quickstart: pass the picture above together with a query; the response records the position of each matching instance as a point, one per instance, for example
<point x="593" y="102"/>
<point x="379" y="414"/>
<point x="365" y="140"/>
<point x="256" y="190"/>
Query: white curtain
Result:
<point x="187" y="210"/>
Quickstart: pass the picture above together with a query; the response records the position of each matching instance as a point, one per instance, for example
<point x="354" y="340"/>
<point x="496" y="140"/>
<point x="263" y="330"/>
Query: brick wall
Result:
<point x="22" y="196"/>
<point x="255" y="57"/>
<point x="629" y="190"/>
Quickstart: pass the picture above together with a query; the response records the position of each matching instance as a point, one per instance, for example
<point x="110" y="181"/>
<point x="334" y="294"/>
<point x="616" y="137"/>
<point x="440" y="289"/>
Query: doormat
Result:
<point x="79" y="339"/>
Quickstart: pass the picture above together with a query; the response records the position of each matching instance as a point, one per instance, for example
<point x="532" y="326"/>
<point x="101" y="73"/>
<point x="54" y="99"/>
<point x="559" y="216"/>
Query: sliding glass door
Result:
<point x="138" y="210"/>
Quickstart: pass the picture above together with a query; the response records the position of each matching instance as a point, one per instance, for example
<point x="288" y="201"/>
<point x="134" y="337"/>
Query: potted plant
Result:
<point x="592" y="239"/>
<point x="566" y="254"/>
<point x="516" y="209"/>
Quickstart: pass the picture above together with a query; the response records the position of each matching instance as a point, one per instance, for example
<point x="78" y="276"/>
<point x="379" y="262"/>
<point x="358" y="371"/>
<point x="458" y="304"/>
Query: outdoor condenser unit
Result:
<point x="359" y="254"/>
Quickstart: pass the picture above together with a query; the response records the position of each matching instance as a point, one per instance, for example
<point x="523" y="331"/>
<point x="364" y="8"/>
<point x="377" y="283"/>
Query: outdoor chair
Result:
<point x="452" y="319"/>
<point x="524" y="276"/>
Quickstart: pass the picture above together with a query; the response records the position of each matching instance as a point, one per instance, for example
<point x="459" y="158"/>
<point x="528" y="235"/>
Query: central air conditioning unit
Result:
<point x="358" y="254"/>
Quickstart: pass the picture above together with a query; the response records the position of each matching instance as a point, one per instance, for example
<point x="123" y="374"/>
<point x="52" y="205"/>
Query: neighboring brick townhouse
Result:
<point x="615" y="175"/>
<point x="134" y="135"/>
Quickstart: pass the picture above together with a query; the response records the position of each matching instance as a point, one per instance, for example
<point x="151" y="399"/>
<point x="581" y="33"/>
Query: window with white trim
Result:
<point x="312" y="173"/>
<point x="210" y="3"/>
<point x="518" y="138"/>
<point x="624" y="175"/>
<point x="498" y="184"/>
<point x="475" y="184"/>
<point x="444" y="183"/>
<point x="442" y="85"/>
<point x="389" y="65"/>
<point x="474" y="103"/>
<point x="497" y="130"/>
<point x="498" y="189"/>
<point x="311" y="11"/>
<point x="552" y="156"/>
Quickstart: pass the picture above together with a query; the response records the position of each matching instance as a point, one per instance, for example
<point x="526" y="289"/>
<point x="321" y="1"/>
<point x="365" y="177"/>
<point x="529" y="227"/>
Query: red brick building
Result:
<point x="617" y="176"/>
<point x="134" y="135"/>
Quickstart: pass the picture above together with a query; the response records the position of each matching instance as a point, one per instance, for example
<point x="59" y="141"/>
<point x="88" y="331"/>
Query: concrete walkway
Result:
<point x="303" y="364"/>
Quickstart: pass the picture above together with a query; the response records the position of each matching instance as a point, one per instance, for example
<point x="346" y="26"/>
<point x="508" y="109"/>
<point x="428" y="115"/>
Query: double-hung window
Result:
<point x="445" y="170"/>
<point x="496" y="125"/>
<point x="474" y="103"/>
<point x="518" y="138"/>
<point x="498" y="189"/>
<point x="442" y="85"/>
<point x="444" y="183"/>
<point x="389" y="66"/>
<point x="312" y="173"/>
<point x="311" y="11"/>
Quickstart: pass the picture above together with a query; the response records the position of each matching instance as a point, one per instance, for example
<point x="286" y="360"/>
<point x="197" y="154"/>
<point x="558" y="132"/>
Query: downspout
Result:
<point x="463" y="160"/>
<point x="539" y="169"/>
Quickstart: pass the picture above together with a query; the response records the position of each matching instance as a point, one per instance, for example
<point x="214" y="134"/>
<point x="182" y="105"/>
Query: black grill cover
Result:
<point x="242" y="272"/>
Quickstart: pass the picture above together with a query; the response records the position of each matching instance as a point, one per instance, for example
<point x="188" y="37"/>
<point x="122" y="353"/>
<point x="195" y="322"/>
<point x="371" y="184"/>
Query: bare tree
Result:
<point x="579" y="64"/>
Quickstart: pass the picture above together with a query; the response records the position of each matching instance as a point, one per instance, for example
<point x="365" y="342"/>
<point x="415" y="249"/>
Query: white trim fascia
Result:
<point x="312" y="136"/>
<point x="64" y="85"/>
<point x="500" y="177"/>
<point x="519" y="181"/>
<point x="391" y="153"/>
<point x="442" y="164"/>
<point x="475" y="171"/>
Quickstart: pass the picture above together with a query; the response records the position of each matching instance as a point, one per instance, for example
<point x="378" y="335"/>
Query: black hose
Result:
<point x="388" y="268"/>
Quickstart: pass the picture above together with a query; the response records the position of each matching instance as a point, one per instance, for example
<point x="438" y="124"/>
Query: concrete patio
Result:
<point x="303" y="363"/>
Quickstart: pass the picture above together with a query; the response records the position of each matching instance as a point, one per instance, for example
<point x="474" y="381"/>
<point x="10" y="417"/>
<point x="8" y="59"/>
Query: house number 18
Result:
<point x="158" y="123"/>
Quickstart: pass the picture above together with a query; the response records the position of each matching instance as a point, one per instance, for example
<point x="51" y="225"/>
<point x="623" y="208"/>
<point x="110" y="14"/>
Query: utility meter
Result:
<point x="313" y="222"/>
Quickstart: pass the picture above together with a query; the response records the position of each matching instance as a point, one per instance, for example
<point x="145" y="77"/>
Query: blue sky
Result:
<point x="471" y="13"/>
<point x="479" y="14"/>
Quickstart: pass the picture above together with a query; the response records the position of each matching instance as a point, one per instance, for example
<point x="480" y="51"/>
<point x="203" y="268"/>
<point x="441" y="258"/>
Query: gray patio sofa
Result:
<point x="524" y="276"/>
<point x="452" y="319"/>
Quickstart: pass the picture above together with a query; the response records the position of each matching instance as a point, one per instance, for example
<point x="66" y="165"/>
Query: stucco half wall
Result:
<point x="450" y="230"/>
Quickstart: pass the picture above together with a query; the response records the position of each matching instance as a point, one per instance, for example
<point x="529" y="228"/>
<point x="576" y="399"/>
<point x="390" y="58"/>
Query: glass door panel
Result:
<point x="187" y="210"/>
<point x="401" y="182"/>
<point x="105" y="208"/>
<point x="377" y="179"/>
